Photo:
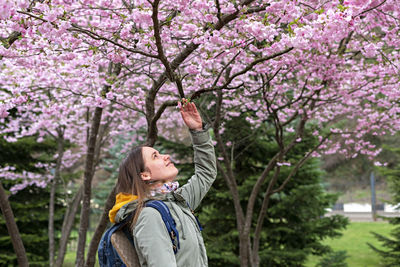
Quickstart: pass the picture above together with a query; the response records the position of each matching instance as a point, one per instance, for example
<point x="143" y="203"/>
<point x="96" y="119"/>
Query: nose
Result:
<point x="166" y="157"/>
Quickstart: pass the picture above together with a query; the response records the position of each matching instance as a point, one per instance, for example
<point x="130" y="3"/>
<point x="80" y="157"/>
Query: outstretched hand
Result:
<point x="190" y="115"/>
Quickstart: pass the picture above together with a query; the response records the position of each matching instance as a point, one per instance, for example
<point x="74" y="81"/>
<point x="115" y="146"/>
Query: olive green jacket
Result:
<point x="152" y="241"/>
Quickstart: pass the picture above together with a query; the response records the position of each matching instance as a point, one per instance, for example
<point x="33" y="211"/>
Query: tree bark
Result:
<point x="66" y="229"/>
<point x="60" y="152"/>
<point x="53" y="184"/>
<point x="261" y="216"/>
<point x="87" y="188"/>
<point x="244" y="250"/>
<point x="94" y="243"/>
<point x="89" y="172"/>
<point x="12" y="228"/>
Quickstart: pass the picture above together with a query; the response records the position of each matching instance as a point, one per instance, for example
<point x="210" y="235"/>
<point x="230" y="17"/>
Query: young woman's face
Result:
<point x="158" y="166"/>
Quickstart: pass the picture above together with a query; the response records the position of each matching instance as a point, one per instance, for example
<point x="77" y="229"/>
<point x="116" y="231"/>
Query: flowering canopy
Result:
<point x="312" y="60"/>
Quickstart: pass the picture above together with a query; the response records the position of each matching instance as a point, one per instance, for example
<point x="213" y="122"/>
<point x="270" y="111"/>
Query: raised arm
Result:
<point x="204" y="158"/>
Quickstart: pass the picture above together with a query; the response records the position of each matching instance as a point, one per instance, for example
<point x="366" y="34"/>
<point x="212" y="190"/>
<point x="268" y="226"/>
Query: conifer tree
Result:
<point x="390" y="252"/>
<point x="30" y="205"/>
<point x="295" y="224"/>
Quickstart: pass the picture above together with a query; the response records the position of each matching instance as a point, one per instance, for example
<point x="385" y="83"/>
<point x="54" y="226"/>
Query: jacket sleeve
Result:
<point x="205" y="169"/>
<point x="152" y="242"/>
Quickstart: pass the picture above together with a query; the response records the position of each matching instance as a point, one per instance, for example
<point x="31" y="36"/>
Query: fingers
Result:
<point x="194" y="108"/>
<point x="183" y="107"/>
<point x="187" y="106"/>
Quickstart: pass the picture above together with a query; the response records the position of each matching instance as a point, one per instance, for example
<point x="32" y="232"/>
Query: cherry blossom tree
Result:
<point x="294" y="64"/>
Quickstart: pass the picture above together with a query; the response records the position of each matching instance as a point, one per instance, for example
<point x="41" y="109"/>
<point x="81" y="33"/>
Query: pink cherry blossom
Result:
<point x="298" y="64"/>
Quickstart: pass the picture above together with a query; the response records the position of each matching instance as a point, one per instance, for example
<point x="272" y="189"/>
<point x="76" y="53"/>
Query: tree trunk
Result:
<point x="244" y="251"/>
<point x="12" y="228"/>
<point x="60" y="152"/>
<point x="229" y="177"/>
<point x="89" y="171"/>
<point x="251" y="261"/>
<point x="87" y="188"/>
<point x="94" y="243"/>
<point x="66" y="229"/>
<point x="261" y="217"/>
<point x="51" y="221"/>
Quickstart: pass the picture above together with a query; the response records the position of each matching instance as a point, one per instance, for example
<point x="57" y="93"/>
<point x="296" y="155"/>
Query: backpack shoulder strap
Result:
<point x="197" y="219"/>
<point x="168" y="221"/>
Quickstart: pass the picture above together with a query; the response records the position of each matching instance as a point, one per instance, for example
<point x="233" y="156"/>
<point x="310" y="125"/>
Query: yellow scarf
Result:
<point x="120" y="200"/>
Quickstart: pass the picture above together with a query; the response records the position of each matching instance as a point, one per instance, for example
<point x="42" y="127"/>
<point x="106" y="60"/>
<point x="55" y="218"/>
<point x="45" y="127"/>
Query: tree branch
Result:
<point x="160" y="49"/>
<point x="229" y="176"/>
<point x="218" y="9"/>
<point x="255" y="62"/>
<point x="246" y="69"/>
<point x="76" y="28"/>
<point x="298" y="166"/>
<point x="370" y="9"/>
<point x="175" y="63"/>
<point x="8" y="41"/>
<point x="343" y="44"/>
<point x="96" y="36"/>
<point x="261" y="215"/>
<point x="152" y="121"/>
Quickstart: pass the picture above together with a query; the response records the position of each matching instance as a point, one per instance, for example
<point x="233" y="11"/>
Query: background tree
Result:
<point x="390" y="252"/>
<point x="294" y="226"/>
<point x="30" y="204"/>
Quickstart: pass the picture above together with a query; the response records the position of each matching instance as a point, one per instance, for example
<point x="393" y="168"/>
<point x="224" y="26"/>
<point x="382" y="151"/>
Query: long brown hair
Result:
<point x="129" y="178"/>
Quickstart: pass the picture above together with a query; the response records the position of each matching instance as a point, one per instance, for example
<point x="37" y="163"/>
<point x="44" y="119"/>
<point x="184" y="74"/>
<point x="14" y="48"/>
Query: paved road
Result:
<point x="363" y="216"/>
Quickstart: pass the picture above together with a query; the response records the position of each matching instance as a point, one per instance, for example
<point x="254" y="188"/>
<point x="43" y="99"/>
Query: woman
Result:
<point x="147" y="174"/>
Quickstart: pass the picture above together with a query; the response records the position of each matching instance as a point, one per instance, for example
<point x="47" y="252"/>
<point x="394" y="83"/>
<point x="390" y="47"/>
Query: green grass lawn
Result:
<point x="354" y="241"/>
<point x="69" y="260"/>
<point x="70" y="256"/>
